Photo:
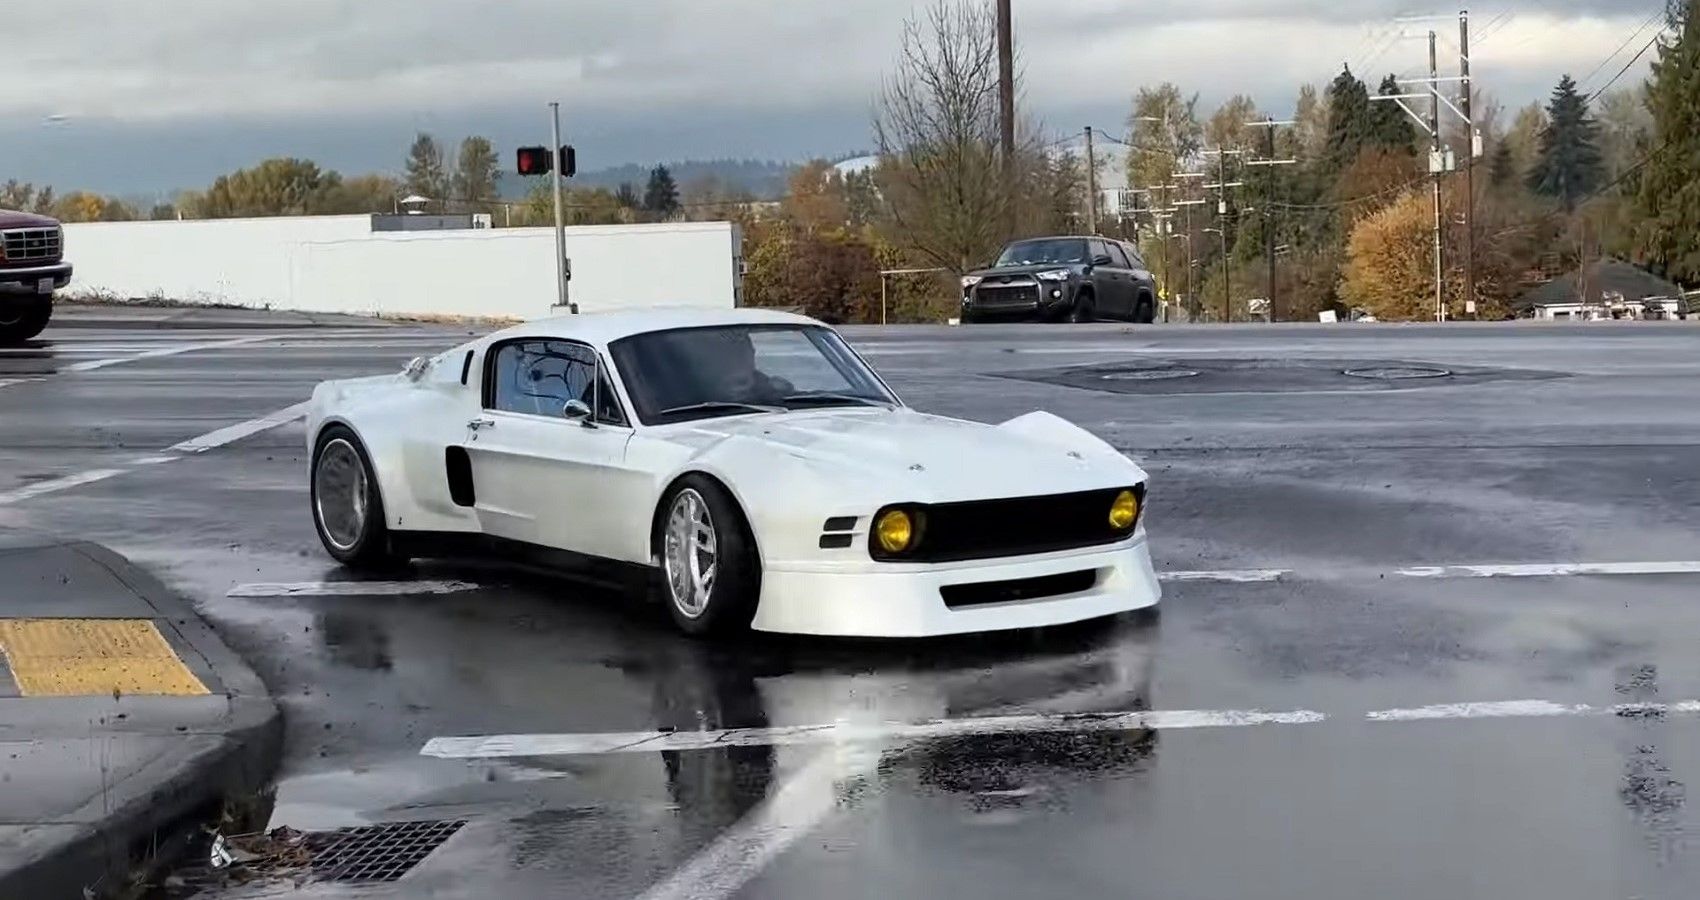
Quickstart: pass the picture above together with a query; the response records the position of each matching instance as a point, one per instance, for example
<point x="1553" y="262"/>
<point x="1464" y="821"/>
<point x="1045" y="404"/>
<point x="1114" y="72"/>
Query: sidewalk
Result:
<point x="125" y="723"/>
<point x="68" y="314"/>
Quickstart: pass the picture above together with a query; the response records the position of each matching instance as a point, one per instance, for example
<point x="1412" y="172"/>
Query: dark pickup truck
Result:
<point x="32" y="267"/>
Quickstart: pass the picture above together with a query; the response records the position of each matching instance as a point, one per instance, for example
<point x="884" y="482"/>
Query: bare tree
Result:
<point x="945" y="192"/>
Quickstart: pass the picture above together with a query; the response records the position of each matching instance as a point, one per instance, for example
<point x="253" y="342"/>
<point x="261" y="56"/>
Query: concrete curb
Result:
<point x="143" y="821"/>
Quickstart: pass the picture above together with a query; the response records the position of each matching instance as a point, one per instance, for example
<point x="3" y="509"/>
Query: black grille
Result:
<point x="1006" y="294"/>
<point x="377" y="852"/>
<point x="987" y="529"/>
<point x="31" y="244"/>
<point x="960" y="595"/>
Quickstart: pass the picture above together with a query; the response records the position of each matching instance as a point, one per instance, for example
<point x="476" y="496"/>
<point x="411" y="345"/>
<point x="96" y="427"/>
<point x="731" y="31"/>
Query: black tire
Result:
<point x="1085" y="308"/>
<point x="23" y="318"/>
<point x="1144" y="311"/>
<point x="730" y="604"/>
<point x="366" y="546"/>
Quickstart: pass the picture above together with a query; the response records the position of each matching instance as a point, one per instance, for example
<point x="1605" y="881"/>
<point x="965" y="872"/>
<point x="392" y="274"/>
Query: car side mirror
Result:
<point x="1101" y="259"/>
<point x="576" y="410"/>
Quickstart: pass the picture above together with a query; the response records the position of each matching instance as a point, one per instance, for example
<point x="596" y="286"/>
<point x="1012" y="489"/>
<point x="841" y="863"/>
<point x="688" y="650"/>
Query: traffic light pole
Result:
<point x="560" y="217"/>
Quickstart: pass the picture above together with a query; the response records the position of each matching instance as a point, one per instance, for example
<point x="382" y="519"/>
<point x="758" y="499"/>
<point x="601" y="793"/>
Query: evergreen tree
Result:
<point x="1349" y="119"/>
<point x="1390" y="126"/>
<point x="627" y="196"/>
<point x="1569" y="166"/>
<point x="425" y="173"/>
<point x="1669" y="194"/>
<point x="661" y="197"/>
<point x="1502" y="167"/>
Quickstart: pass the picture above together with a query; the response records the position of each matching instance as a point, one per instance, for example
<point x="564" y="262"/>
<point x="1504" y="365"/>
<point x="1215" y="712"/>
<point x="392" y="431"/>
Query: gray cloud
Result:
<point x="190" y="88"/>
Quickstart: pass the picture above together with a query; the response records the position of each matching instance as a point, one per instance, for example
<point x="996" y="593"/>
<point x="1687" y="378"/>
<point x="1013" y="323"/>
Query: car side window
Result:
<point x="1134" y="257"/>
<point x="538" y="377"/>
<point x="1099" y="248"/>
<point x="1117" y="257"/>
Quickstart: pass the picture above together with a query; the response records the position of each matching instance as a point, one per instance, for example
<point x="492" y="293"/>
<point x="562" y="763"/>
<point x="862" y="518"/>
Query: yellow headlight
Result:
<point x="1124" y="511"/>
<point x="895" y="530"/>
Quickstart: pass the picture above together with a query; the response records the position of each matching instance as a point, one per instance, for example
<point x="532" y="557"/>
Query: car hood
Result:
<point x="11" y="218"/>
<point x="993" y="274"/>
<point x="924" y="458"/>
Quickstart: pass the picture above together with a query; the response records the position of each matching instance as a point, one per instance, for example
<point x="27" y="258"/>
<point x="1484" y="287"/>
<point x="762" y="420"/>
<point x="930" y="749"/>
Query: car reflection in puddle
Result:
<point x="759" y="683"/>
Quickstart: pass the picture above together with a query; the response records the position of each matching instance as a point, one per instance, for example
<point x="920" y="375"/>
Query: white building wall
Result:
<point x="338" y="264"/>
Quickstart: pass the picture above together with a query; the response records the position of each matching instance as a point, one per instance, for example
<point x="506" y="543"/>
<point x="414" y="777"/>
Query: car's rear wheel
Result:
<point x="22" y="318"/>
<point x="1085" y="309"/>
<point x="710" y="574"/>
<point x="348" y="512"/>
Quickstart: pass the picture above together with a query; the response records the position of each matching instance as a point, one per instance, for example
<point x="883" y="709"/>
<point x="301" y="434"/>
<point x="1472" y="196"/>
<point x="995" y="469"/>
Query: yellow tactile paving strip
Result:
<point x="79" y="657"/>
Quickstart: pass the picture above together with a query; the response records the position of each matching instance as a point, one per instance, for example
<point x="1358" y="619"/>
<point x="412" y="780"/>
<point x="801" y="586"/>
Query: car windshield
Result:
<point x="1035" y="253"/>
<point x="694" y="373"/>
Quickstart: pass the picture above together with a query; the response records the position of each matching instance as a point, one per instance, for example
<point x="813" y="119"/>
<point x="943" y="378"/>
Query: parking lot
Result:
<point x="1428" y="629"/>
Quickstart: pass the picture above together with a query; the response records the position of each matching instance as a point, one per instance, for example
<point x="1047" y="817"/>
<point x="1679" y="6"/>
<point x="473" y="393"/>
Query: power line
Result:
<point x="1622" y="47"/>
<point x="1626" y="66"/>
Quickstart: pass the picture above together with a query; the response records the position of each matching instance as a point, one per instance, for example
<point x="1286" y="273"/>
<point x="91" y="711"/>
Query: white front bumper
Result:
<point x="904" y="601"/>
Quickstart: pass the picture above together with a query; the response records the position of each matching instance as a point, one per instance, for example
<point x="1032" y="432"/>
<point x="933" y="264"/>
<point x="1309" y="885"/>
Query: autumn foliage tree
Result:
<point x="1388" y="269"/>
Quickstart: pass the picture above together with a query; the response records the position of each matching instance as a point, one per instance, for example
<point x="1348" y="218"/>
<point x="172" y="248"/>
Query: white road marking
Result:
<point x="1524" y="709"/>
<point x="240" y="430"/>
<point x="94" y="364"/>
<point x="350" y="588"/>
<point x="508" y="746"/>
<point x="1242" y="576"/>
<point x="8" y="382"/>
<point x="739" y="853"/>
<point x="194" y="445"/>
<point x="57" y="484"/>
<point x="512" y="745"/>
<point x="1543" y="570"/>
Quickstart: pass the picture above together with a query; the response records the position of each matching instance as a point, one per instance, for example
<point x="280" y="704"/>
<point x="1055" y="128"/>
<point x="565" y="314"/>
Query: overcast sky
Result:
<point x="150" y="95"/>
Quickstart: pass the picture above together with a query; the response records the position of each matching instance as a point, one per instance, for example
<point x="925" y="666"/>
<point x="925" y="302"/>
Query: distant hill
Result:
<point x="764" y="178"/>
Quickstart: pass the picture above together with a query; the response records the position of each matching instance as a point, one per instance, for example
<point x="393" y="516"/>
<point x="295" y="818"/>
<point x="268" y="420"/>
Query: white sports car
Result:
<point x="747" y="465"/>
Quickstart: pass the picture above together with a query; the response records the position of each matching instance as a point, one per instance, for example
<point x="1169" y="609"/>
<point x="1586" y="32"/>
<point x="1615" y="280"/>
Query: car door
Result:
<point x="1115" y="297"/>
<point x="539" y="476"/>
<point x="1142" y="281"/>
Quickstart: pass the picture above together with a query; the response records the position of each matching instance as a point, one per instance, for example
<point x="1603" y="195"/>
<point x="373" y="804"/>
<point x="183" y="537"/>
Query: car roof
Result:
<point x="604" y="328"/>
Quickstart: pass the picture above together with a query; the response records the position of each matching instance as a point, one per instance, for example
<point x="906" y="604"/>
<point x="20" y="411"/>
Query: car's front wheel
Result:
<point x="347" y="509"/>
<point x="23" y="318"/>
<point x="710" y="573"/>
<point x="1085" y="309"/>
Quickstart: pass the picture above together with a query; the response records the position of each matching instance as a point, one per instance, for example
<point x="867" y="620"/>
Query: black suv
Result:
<point x="1080" y="279"/>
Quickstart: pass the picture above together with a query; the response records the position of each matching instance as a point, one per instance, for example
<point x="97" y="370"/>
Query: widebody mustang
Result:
<point x="747" y="465"/>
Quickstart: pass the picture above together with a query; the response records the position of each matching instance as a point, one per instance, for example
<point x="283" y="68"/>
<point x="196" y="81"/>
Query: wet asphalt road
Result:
<point x="1551" y="445"/>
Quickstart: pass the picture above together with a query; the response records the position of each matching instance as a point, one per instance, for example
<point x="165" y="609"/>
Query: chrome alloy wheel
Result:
<point x="689" y="553"/>
<point x="339" y="494"/>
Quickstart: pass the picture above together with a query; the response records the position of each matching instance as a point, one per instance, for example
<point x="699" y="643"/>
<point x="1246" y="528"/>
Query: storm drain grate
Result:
<point x="377" y="852"/>
<point x="1398" y="373"/>
<point x="1148" y="375"/>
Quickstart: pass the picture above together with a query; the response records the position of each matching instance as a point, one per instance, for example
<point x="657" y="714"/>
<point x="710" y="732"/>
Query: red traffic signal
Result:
<point x="537" y="161"/>
<point x="533" y="161"/>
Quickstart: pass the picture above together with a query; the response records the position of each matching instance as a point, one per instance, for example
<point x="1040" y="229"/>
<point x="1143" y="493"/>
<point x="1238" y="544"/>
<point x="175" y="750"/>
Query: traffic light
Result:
<point x="538" y="161"/>
<point x="533" y="161"/>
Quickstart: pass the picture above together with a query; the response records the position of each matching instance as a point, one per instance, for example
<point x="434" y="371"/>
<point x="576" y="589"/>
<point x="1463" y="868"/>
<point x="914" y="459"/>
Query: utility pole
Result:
<point x="1469" y="164"/>
<point x="1268" y="125"/>
<point x="1091" y="186"/>
<point x="1439" y="154"/>
<point x="1441" y="158"/>
<point x="1221" y="187"/>
<point x="560" y="214"/>
<point x="1006" y="85"/>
